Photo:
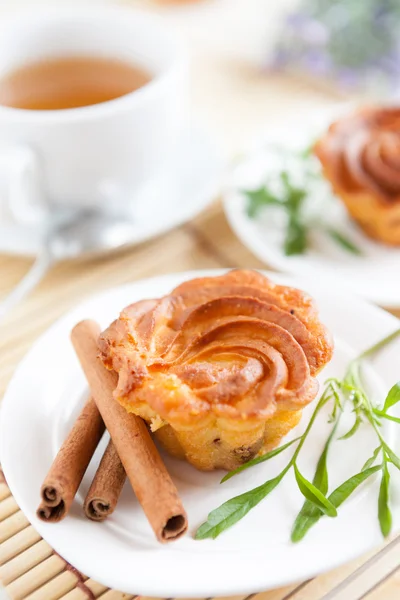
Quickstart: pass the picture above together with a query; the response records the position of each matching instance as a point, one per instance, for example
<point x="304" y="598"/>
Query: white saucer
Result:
<point x="189" y="181"/>
<point x="256" y="553"/>
<point x="374" y="275"/>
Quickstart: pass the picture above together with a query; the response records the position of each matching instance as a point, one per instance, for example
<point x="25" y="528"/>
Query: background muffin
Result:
<point x="360" y="156"/>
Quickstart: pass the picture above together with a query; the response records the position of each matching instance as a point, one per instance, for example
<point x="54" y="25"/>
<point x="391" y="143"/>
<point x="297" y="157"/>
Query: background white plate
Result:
<point x="44" y="398"/>
<point x="189" y="181"/>
<point x="374" y="275"/>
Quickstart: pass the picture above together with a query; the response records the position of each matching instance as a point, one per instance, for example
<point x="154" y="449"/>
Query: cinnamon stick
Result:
<point x="102" y="497"/>
<point x="69" y="466"/>
<point x="145" y="470"/>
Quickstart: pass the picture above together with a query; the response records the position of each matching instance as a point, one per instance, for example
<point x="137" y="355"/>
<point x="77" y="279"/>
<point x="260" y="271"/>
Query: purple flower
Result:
<point x="356" y="47"/>
<point x="317" y="62"/>
<point x="349" y="78"/>
<point x="309" y="30"/>
<point x="390" y="64"/>
<point x="297" y="20"/>
<point x="280" y="59"/>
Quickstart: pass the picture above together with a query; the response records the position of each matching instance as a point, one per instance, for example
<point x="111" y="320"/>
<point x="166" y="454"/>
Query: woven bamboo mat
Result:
<point x="29" y="569"/>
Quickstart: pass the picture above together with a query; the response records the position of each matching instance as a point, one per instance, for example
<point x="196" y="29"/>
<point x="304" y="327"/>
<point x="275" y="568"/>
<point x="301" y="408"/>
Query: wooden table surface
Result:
<point x="233" y="100"/>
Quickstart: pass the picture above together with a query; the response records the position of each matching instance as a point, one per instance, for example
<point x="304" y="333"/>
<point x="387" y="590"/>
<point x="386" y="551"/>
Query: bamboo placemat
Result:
<point x="234" y="100"/>
<point x="29" y="569"/>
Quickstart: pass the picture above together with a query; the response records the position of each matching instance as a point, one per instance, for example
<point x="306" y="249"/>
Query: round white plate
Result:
<point x="189" y="181"/>
<point x="44" y="398"/>
<point x="374" y="275"/>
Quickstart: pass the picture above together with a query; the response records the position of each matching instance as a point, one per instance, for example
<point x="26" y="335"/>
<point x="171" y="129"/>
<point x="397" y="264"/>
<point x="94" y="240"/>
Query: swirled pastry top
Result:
<point x="361" y="152"/>
<point x="236" y="345"/>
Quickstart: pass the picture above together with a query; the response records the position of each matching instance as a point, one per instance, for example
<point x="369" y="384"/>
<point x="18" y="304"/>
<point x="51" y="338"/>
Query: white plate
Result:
<point x="374" y="275"/>
<point x="190" y="180"/>
<point x="44" y="397"/>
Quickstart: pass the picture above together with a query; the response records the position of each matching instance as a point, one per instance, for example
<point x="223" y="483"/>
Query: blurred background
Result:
<point x="255" y="64"/>
<point x="274" y="56"/>
<point x="256" y="59"/>
<point x="278" y="56"/>
<point x="261" y="63"/>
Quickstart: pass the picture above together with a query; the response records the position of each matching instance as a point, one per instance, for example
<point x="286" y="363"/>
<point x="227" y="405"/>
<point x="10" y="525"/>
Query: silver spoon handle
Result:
<point x="27" y="283"/>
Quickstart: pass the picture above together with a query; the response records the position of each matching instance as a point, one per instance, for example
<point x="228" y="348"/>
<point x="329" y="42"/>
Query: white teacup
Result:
<point x="94" y="155"/>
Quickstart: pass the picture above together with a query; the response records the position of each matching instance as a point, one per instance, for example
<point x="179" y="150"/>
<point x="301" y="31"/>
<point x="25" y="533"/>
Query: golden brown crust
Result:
<point x="360" y="156"/>
<point x="218" y="357"/>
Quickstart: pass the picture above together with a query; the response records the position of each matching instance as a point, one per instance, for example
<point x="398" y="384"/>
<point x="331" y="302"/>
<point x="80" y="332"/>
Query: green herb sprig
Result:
<point x="352" y="389"/>
<point x="291" y="197"/>
<point x="317" y="503"/>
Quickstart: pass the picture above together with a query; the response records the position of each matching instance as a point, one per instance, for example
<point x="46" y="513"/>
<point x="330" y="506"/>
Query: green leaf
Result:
<point x="321" y="472"/>
<point x="353" y="430"/>
<point x="343" y="491"/>
<point x="353" y="380"/>
<point x="258" y="199"/>
<point x="308" y="151"/>
<point x="382" y="415"/>
<point x="371" y="460"/>
<point x="321" y="480"/>
<point x="296" y="232"/>
<point x="344" y="242"/>
<point x="294" y="200"/>
<point x="337" y="497"/>
<point x="309" y="511"/>
<point x="259" y="459"/>
<point x="285" y="179"/>
<point x="296" y="237"/>
<point x="314" y="495"/>
<point x="235" y="509"/>
<point x="393" y="397"/>
<point x="335" y="393"/>
<point x="391" y="455"/>
<point x="307" y="517"/>
<point x="378" y="346"/>
<point x="384" y="514"/>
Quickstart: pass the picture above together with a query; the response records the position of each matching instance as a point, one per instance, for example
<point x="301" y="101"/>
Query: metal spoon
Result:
<point x="71" y="235"/>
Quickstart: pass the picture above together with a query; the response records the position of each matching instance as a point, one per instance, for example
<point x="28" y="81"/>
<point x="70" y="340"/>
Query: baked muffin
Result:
<point x="221" y="368"/>
<point x="360" y="156"/>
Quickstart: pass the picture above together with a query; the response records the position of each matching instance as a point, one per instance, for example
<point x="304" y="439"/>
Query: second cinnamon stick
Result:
<point x="146" y="472"/>
<point x="69" y="466"/>
<point x="103" y="495"/>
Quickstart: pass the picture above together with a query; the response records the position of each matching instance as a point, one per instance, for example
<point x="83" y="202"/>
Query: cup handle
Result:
<point x="21" y="185"/>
